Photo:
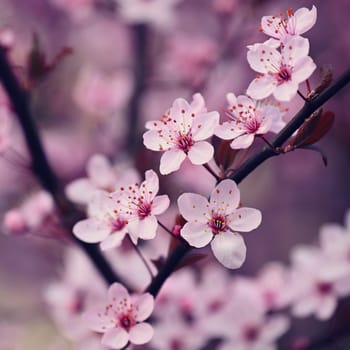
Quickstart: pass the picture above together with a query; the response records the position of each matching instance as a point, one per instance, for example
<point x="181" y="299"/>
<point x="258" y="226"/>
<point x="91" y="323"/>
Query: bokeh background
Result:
<point x="82" y="107"/>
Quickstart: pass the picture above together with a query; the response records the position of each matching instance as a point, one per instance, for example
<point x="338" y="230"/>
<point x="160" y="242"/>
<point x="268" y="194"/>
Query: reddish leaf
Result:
<point x="326" y="80"/>
<point x="313" y="129"/>
<point x="322" y="127"/>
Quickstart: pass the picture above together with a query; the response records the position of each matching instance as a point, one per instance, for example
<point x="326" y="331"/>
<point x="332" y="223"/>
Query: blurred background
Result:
<point x="113" y="71"/>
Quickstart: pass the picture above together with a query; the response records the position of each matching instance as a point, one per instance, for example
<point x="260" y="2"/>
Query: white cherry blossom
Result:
<point x="217" y="220"/>
<point x="181" y="133"/>
<point x="280" y="73"/>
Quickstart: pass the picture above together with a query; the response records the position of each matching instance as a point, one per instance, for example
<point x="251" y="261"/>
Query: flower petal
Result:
<point x="113" y="240"/>
<point x="154" y="140"/>
<point x="305" y="19"/>
<point x="326" y="308"/>
<point x="274" y="328"/>
<point x="203" y="125"/>
<point x="171" y="161"/>
<point x="303" y="69"/>
<point x="193" y="207"/>
<point x="91" y="230"/>
<point x="141" y="333"/>
<point x="286" y="91"/>
<point x="295" y="48"/>
<point x="263" y="58"/>
<point x="145" y="305"/>
<point x="229" y="248"/>
<point x="100" y="171"/>
<point x="151" y="182"/>
<point x="115" y="338"/>
<point x="80" y="191"/>
<point x="197" y="235"/>
<point x="228" y="130"/>
<point x="117" y="292"/>
<point x="146" y="228"/>
<point x="245" y="219"/>
<point x="226" y="196"/>
<point x="243" y="141"/>
<point x="261" y="87"/>
<point x="201" y="152"/>
<point x="160" y="204"/>
<point x="98" y="320"/>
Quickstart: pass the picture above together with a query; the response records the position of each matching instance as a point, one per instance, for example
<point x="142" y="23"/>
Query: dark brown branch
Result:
<point x="41" y="168"/>
<point x="140" y="37"/>
<point x="250" y="165"/>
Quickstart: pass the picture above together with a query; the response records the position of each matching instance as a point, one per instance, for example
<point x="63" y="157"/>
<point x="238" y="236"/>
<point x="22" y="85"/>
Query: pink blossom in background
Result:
<point x="225" y="7"/>
<point x="249" y="118"/>
<point x="101" y="175"/>
<point x="121" y="319"/>
<point x="69" y="297"/>
<point x="32" y="215"/>
<point x="216" y="221"/>
<point x="188" y="58"/>
<point x="101" y="94"/>
<point x="181" y="133"/>
<point x="280" y="73"/>
<point x="295" y="24"/>
<point x="313" y="283"/>
<point x="158" y="13"/>
<point x="7" y="37"/>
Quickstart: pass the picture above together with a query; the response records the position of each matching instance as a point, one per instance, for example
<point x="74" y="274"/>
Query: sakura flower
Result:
<point x="159" y="13"/>
<point x="217" y="220"/>
<point x="101" y="175"/>
<point x="182" y="133"/>
<point x="313" y="283"/>
<point x="122" y="318"/>
<point x="249" y="118"/>
<point x="244" y="323"/>
<point x="295" y="24"/>
<point x="280" y="73"/>
<point x="101" y="94"/>
<point x="32" y="215"/>
<point x="69" y="297"/>
<point x="104" y="223"/>
<point x="140" y="204"/>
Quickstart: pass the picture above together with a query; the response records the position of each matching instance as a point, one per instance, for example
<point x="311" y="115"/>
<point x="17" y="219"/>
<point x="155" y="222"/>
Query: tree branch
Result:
<point x="41" y="168"/>
<point x="249" y="166"/>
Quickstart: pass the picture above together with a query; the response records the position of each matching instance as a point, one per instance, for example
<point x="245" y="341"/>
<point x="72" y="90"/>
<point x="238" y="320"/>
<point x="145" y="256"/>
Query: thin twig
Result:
<point x="211" y="171"/>
<point x="142" y="257"/>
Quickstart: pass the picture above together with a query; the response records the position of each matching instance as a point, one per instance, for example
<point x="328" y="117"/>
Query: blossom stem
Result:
<point x="249" y="166"/>
<point x="211" y="171"/>
<point x="302" y="96"/>
<point x="308" y="86"/>
<point x="142" y="257"/>
<point x="42" y="169"/>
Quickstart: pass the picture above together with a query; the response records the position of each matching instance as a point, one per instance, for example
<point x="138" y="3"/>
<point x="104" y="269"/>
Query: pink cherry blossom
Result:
<point x="122" y="318"/>
<point x="280" y="73"/>
<point x="69" y="297"/>
<point x="101" y="175"/>
<point x="101" y="94"/>
<point x="181" y="133"/>
<point x="313" y="283"/>
<point x="159" y="13"/>
<point x="244" y="323"/>
<point x="36" y="212"/>
<point x="77" y="9"/>
<point x="249" y="118"/>
<point x="217" y="220"/>
<point x="296" y="23"/>
<point x="104" y="223"/>
<point x="140" y="204"/>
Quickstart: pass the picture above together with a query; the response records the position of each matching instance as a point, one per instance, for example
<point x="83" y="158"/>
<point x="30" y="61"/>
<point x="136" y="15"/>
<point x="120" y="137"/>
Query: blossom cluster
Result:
<point x="245" y="312"/>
